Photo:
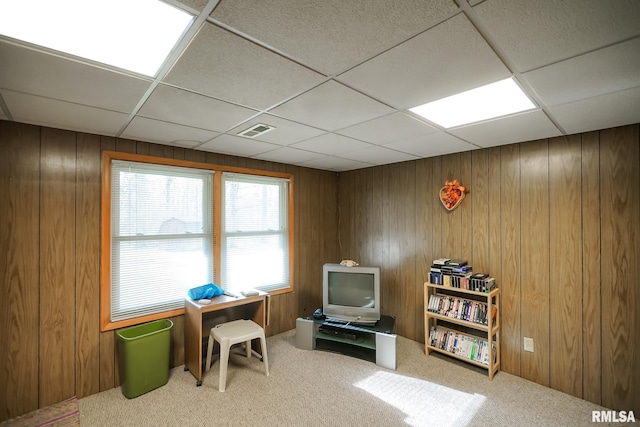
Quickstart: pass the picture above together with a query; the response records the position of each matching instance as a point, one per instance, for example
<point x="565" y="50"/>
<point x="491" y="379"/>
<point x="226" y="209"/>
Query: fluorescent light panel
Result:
<point x="486" y="102"/>
<point x="136" y="35"/>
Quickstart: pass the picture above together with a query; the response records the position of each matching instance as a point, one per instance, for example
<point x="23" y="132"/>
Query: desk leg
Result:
<point x="193" y="342"/>
<point x="261" y="318"/>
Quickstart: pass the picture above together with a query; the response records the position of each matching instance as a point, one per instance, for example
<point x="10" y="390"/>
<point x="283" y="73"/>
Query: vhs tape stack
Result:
<point x="463" y="346"/>
<point x="458" y="274"/>
<point x="460" y="308"/>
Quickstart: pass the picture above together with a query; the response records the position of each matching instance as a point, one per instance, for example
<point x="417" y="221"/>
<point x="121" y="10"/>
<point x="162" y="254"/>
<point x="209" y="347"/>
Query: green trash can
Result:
<point x="143" y="353"/>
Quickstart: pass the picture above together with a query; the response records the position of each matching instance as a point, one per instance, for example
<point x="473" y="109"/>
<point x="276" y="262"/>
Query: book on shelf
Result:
<point x="446" y="280"/>
<point x="435" y="278"/>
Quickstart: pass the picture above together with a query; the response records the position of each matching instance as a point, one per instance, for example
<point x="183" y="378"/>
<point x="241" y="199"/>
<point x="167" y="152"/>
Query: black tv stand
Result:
<point x="375" y="343"/>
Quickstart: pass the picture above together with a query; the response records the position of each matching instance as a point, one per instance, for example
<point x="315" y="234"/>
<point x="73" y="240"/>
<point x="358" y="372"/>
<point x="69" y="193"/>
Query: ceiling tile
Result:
<point x="331" y="35"/>
<point x="538" y="33"/>
<point x="225" y="66"/>
<point x="384" y="130"/>
<point x="331" y="143"/>
<point x="331" y="106"/>
<point x="62" y="115"/>
<point x="237" y="146"/>
<point x="288" y="155"/>
<point x="606" y="70"/>
<point x="447" y="59"/>
<point x="600" y="112"/>
<point x="286" y="132"/>
<point x="528" y="126"/>
<point x="197" y="5"/>
<point x="433" y="144"/>
<point x="378" y="155"/>
<point x="179" y="106"/>
<point x="157" y="131"/>
<point x="335" y="164"/>
<point x="33" y="72"/>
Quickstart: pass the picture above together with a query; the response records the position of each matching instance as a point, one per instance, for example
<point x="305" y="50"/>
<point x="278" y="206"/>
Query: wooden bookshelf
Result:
<point x="486" y="336"/>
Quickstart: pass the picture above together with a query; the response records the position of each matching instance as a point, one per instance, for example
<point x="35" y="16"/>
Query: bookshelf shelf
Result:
<point x="455" y="356"/>
<point x="477" y="342"/>
<point x="477" y="326"/>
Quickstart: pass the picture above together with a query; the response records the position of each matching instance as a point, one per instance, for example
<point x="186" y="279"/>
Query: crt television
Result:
<point x="351" y="294"/>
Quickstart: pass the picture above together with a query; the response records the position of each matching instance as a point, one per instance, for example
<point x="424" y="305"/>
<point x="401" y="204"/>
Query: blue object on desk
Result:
<point x="205" y="291"/>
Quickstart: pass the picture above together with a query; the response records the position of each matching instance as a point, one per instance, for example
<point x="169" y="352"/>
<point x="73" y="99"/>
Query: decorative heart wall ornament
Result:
<point x="452" y="194"/>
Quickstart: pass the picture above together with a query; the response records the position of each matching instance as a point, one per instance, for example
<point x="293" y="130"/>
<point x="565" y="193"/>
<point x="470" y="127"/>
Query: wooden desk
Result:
<point x="199" y="319"/>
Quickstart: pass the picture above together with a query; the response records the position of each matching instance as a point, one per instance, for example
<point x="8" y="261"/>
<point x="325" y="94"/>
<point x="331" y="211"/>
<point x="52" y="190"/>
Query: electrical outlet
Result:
<point x="528" y="344"/>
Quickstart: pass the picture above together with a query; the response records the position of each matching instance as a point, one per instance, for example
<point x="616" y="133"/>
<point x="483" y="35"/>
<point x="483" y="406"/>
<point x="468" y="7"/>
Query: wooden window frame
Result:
<point x="105" y="233"/>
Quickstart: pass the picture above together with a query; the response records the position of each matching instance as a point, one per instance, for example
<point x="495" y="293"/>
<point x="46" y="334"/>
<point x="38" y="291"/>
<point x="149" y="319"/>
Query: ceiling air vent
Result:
<point x="256" y="130"/>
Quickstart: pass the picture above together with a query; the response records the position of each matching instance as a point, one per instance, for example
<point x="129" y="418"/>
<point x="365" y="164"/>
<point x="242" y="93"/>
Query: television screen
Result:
<point x="351" y="294"/>
<point x="351" y="289"/>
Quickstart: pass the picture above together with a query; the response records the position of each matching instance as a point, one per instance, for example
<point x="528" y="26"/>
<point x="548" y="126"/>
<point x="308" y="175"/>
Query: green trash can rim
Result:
<point x="168" y="325"/>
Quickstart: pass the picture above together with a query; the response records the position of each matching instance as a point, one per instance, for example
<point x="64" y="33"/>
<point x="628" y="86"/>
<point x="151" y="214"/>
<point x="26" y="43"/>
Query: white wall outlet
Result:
<point x="528" y="344"/>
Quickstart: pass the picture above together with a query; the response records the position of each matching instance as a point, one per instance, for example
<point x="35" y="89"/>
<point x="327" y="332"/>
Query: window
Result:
<point x="255" y="232"/>
<point x="171" y="225"/>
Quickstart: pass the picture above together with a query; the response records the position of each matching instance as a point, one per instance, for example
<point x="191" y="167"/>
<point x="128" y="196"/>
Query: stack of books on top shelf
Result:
<point x="465" y="346"/>
<point x="458" y="274"/>
<point x="459" y="308"/>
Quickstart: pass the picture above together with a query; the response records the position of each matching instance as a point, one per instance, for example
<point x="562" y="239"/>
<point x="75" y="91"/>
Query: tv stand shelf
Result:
<point x="375" y="343"/>
<point x="368" y="342"/>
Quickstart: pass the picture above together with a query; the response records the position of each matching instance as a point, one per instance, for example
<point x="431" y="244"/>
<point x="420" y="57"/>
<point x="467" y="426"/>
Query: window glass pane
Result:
<point x="252" y="206"/>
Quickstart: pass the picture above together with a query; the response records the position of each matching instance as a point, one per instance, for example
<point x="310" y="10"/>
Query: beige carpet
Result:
<point x="317" y="388"/>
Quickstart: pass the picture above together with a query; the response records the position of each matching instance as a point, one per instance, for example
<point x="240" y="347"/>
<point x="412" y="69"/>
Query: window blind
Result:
<point x="161" y="236"/>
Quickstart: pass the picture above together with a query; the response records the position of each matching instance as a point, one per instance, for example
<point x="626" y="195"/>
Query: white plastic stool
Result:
<point x="230" y="333"/>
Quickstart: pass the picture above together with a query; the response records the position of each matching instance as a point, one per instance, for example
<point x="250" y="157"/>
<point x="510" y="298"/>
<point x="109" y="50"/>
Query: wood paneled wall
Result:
<point x="50" y="338"/>
<point x="556" y="221"/>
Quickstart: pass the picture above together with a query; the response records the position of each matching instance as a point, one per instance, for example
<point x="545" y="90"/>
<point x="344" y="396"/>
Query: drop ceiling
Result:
<point x="336" y="78"/>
